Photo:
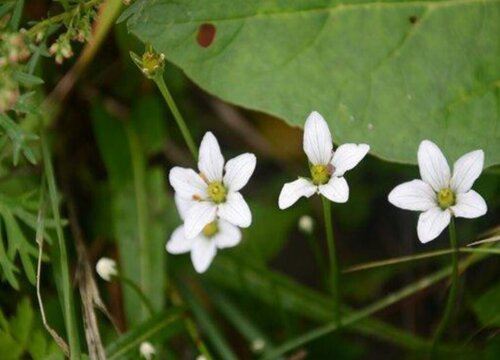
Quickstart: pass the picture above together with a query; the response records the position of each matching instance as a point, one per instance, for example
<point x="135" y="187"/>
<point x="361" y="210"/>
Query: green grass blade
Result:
<point x="61" y="262"/>
<point x="369" y="310"/>
<point x="160" y="327"/>
<point x="203" y="318"/>
<point x="263" y="284"/>
<point x="241" y="322"/>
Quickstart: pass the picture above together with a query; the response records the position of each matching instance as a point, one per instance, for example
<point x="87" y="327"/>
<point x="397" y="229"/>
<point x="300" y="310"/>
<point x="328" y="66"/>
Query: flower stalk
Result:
<point x="138" y="291"/>
<point x="452" y="295"/>
<point x="334" y="270"/>
<point x="162" y="86"/>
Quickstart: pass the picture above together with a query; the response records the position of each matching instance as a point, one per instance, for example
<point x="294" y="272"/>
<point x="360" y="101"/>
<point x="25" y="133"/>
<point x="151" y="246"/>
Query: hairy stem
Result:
<point x="452" y="295"/>
<point x="160" y="82"/>
<point x="334" y="270"/>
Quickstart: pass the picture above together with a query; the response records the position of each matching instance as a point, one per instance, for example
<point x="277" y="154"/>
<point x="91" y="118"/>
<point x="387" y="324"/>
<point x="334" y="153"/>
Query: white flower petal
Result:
<point x="335" y="190"/>
<point x="211" y="161"/>
<point x="228" y="235"/>
<point x="292" y="191"/>
<point x="348" y="156"/>
<point x="178" y="243"/>
<point x="183" y="205"/>
<point x="433" y="166"/>
<point x="238" y="171"/>
<point x="203" y="253"/>
<point x="199" y="214"/>
<point x="466" y="170"/>
<point x="317" y="140"/>
<point x="187" y="183"/>
<point x="235" y="210"/>
<point x="469" y="205"/>
<point x="432" y="223"/>
<point x="414" y="195"/>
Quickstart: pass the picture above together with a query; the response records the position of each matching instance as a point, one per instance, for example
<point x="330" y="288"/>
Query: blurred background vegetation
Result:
<point x="112" y="140"/>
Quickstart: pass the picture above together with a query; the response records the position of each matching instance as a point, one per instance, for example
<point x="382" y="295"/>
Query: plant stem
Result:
<point x="452" y="295"/>
<point x="191" y="327"/>
<point x="139" y="292"/>
<point x="160" y="82"/>
<point x="334" y="271"/>
<point x="67" y="294"/>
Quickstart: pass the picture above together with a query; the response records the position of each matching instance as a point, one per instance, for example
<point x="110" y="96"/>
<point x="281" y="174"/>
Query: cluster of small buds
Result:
<point x="61" y="49"/>
<point x="13" y="49"/>
<point x="82" y="31"/>
<point x="151" y="63"/>
<point x="9" y="91"/>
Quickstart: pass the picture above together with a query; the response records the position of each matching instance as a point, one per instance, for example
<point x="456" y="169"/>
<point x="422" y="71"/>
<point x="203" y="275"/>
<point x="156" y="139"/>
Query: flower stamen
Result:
<point x="445" y="198"/>
<point x="320" y="174"/>
<point x="217" y="192"/>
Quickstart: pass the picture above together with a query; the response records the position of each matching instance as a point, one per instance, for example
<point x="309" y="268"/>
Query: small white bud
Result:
<point x="258" y="345"/>
<point x="106" y="268"/>
<point x="306" y="224"/>
<point x="147" y="350"/>
<point x="201" y="357"/>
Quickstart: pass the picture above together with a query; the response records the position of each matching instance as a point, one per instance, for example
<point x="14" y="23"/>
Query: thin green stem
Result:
<point x="334" y="269"/>
<point x="67" y="294"/>
<point x="191" y="327"/>
<point x="313" y="244"/>
<point x="160" y="82"/>
<point x="139" y="292"/>
<point x="452" y="296"/>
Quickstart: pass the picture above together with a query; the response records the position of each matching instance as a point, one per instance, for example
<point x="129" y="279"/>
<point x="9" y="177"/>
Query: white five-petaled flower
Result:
<point x="327" y="167"/>
<point x="147" y="350"/>
<point x="441" y="194"/>
<point x="215" y="190"/>
<point x="219" y="234"/>
<point x="106" y="268"/>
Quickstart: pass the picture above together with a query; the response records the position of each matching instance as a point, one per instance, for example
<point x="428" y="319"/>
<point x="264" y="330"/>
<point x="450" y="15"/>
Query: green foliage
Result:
<point x="138" y="199"/>
<point x="16" y="213"/>
<point x="159" y="328"/>
<point x="18" y="137"/>
<point x="486" y="307"/>
<point x="22" y="336"/>
<point x="389" y="74"/>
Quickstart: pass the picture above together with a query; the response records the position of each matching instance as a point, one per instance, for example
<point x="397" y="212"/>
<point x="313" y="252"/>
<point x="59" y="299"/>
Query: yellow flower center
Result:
<point x="320" y="174"/>
<point x="445" y="198"/>
<point x="217" y="192"/>
<point x="211" y="229"/>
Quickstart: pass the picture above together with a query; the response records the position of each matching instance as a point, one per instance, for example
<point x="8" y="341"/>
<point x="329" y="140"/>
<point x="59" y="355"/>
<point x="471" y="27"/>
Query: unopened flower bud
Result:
<point x="147" y="350"/>
<point x="306" y="224"/>
<point x="106" y="268"/>
<point x="258" y="345"/>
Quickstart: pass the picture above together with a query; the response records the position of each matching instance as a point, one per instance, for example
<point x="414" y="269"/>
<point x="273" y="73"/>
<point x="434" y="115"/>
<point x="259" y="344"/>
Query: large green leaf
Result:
<point x="388" y="73"/>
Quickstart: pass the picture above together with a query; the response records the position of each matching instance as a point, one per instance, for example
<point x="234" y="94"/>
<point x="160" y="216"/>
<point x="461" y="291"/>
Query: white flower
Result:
<point x="327" y="167"/>
<point x="147" y="350"/>
<point x="106" y="268"/>
<point x="215" y="190"/>
<point x="218" y="234"/>
<point x="441" y="194"/>
<point x="306" y="224"/>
